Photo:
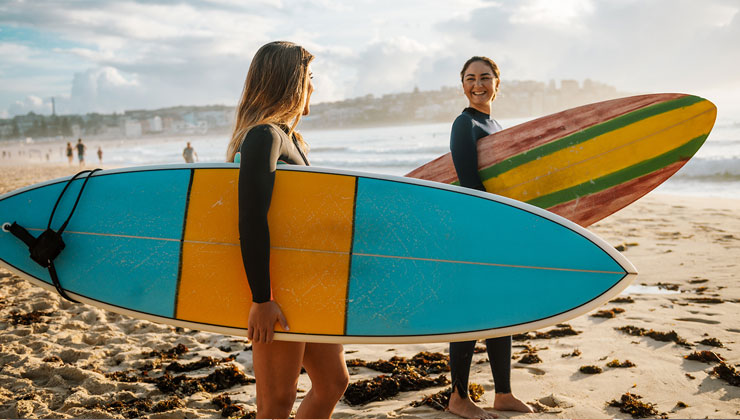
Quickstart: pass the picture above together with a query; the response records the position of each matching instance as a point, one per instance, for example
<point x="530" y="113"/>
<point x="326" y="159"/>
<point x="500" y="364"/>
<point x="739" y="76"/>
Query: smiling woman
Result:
<point x="480" y="78"/>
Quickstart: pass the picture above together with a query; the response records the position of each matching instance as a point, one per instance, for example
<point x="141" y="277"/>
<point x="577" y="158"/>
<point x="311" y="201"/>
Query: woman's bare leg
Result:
<point x="277" y="366"/>
<point x="325" y="365"/>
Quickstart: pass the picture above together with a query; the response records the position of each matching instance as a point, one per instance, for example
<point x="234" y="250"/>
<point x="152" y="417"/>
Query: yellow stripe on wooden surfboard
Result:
<point x="308" y="211"/>
<point x="606" y="153"/>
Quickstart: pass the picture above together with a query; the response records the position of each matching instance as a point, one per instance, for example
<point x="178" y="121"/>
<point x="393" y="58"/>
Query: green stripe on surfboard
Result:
<point x="645" y="167"/>
<point x="587" y="134"/>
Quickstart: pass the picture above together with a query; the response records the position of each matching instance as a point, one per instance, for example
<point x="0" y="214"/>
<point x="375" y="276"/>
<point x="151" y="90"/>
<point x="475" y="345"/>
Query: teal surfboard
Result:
<point x="355" y="257"/>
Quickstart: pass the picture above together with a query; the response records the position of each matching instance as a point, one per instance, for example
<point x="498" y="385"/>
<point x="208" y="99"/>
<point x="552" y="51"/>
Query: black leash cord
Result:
<point x="49" y="244"/>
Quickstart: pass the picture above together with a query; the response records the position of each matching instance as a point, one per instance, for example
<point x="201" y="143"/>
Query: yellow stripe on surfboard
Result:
<point x="309" y="211"/>
<point x="605" y="154"/>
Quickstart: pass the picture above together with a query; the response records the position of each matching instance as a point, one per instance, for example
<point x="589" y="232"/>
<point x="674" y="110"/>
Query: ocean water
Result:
<point x="713" y="171"/>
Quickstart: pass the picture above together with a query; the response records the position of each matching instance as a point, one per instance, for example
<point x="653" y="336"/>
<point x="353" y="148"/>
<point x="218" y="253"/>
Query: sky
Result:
<point x="113" y="55"/>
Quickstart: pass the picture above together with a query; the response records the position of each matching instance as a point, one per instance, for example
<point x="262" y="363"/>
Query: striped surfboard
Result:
<point x="355" y="258"/>
<point x="588" y="162"/>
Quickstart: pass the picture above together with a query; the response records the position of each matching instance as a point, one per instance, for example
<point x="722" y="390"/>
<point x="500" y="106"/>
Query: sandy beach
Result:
<point x="64" y="360"/>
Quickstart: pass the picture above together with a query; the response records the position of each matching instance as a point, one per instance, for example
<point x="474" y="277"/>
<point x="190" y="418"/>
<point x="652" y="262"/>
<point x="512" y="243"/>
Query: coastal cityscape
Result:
<point x="517" y="99"/>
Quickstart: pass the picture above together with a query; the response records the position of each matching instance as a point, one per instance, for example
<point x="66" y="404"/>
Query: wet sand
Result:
<point x="65" y="360"/>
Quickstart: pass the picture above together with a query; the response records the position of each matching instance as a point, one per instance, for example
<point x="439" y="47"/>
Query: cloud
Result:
<point x="30" y="104"/>
<point x="113" y="55"/>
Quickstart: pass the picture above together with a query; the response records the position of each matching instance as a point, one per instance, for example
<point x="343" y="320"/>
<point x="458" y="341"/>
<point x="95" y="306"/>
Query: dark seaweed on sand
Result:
<point x="711" y="341"/>
<point x="626" y="299"/>
<point x="575" y="353"/>
<point x="17" y="318"/>
<point x="123" y="377"/>
<point x="530" y="359"/>
<point x="706" y="300"/>
<point x="560" y="330"/>
<point x="705" y="356"/>
<point x="173" y="353"/>
<point x="130" y="409"/>
<point x="590" y="369"/>
<point x="728" y="373"/>
<point x="221" y="379"/>
<point x="617" y="364"/>
<point x="386" y="386"/>
<point x="231" y="410"/>
<point x="204" y="362"/>
<point x="426" y="362"/>
<point x="631" y="404"/>
<point x="138" y="407"/>
<point x="441" y="400"/>
<point x="608" y="313"/>
<point x="655" y="335"/>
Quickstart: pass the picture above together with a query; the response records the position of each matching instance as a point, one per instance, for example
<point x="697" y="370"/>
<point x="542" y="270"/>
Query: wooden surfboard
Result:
<point x="355" y="258"/>
<point x="588" y="162"/>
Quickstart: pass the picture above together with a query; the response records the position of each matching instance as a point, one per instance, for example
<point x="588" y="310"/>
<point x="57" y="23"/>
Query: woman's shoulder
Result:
<point x="463" y="120"/>
<point x="265" y="132"/>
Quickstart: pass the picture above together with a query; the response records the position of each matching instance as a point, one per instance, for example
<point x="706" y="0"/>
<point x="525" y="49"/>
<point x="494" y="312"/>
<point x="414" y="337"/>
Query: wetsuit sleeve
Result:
<point x="464" y="148"/>
<point x="259" y="155"/>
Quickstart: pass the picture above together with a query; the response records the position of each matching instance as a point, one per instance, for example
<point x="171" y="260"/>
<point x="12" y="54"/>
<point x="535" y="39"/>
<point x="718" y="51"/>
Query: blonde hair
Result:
<point x="274" y="92"/>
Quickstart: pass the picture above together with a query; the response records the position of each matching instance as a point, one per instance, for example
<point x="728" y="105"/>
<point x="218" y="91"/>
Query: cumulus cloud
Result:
<point x="30" y="103"/>
<point x="114" y="55"/>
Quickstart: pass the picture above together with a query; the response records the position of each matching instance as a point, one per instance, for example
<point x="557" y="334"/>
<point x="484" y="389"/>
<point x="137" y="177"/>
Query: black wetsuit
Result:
<point x="467" y="129"/>
<point x="262" y="148"/>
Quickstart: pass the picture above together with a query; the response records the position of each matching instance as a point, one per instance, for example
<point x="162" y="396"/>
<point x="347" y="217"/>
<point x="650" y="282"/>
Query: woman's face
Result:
<point x="480" y="84"/>
<point x="307" y="108"/>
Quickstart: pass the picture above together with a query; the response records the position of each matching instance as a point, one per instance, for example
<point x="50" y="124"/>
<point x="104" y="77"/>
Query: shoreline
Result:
<point x="70" y="360"/>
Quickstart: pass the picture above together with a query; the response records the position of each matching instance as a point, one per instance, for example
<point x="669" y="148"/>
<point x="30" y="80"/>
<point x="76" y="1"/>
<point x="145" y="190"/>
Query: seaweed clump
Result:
<point x="441" y="400"/>
<point x="711" y="341"/>
<point x="17" y="318"/>
<point x="560" y="330"/>
<point x="231" y="410"/>
<point x="574" y="353"/>
<point x="625" y="299"/>
<point x="617" y="364"/>
<point x="631" y="404"/>
<point x="655" y="335"/>
<point x="384" y="386"/>
<point x="608" y="313"/>
<point x="590" y="369"/>
<point x="705" y="356"/>
<point x="728" y="373"/>
<point x="530" y="358"/>
<point x="204" y="362"/>
<point x="134" y="408"/>
<point x="706" y="300"/>
<point x="173" y="353"/>
<point x="424" y="361"/>
<point x="223" y="378"/>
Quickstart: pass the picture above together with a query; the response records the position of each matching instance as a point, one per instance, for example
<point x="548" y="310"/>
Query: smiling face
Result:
<point x="480" y="85"/>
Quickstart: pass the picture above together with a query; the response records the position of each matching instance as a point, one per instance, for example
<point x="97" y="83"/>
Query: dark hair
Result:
<point x="486" y="60"/>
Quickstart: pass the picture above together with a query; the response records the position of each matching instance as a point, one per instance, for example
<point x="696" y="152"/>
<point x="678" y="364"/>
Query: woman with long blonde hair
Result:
<point x="276" y="94"/>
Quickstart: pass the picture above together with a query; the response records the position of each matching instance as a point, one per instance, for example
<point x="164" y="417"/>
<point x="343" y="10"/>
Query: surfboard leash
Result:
<point x="47" y="246"/>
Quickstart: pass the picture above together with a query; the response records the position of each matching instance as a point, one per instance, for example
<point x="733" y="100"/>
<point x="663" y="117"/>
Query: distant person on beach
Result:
<point x="80" y="151"/>
<point x="100" y="154"/>
<point x="70" y="152"/>
<point x="276" y="93"/>
<point x="188" y="153"/>
<point x="480" y="82"/>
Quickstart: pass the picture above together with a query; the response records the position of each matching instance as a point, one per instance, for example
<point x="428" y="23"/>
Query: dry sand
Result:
<point x="61" y="364"/>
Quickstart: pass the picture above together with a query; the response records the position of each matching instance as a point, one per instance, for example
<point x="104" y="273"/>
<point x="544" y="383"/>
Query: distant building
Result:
<point x="132" y="128"/>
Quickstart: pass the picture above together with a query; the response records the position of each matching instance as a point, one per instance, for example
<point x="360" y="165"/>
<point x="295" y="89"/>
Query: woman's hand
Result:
<point x="262" y="319"/>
